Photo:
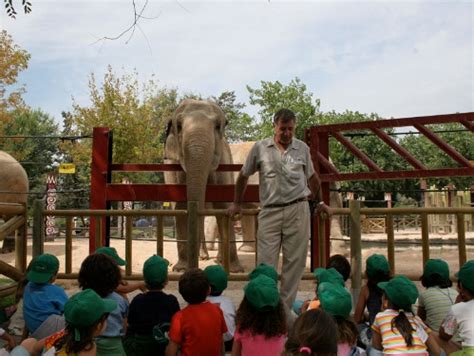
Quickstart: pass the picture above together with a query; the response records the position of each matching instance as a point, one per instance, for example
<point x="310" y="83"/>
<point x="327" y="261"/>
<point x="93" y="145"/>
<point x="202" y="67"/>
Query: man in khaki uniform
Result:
<point x="287" y="181"/>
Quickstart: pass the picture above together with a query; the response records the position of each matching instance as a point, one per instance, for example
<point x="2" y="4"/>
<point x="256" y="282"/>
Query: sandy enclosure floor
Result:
<point x="408" y="257"/>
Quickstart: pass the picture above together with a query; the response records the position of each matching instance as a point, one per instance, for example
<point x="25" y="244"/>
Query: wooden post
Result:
<point x="38" y="227"/>
<point x="98" y="233"/>
<point x="461" y="238"/>
<point x="159" y="236"/>
<point x="128" y="245"/>
<point x="226" y="243"/>
<point x="193" y="235"/>
<point x="425" y="238"/>
<point x="356" y="244"/>
<point x="68" y="244"/>
<point x="390" y="242"/>
<point x="321" y="236"/>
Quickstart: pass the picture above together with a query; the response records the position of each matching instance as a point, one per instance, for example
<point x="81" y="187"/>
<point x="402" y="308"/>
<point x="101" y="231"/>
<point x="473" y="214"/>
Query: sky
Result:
<point x="393" y="58"/>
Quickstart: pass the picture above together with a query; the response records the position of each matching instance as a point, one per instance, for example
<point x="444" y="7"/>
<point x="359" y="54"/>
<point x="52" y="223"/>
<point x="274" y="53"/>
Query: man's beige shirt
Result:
<point x="283" y="176"/>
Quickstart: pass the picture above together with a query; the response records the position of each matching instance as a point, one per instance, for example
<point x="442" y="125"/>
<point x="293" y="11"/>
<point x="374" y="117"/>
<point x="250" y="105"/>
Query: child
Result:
<point x="396" y="330"/>
<point x="217" y="278"/>
<point x="124" y="287"/>
<point x="337" y="301"/>
<point x="266" y="270"/>
<point x="434" y="303"/>
<point x="340" y="264"/>
<point x="149" y="310"/>
<point x="260" y="320"/>
<point x="197" y="329"/>
<point x="377" y="270"/>
<point x="86" y="315"/>
<point x="43" y="301"/>
<point x="314" y="334"/>
<point x="460" y="317"/>
<point x="102" y="274"/>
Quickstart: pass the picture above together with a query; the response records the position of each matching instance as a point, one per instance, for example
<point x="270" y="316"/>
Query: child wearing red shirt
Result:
<point x="197" y="329"/>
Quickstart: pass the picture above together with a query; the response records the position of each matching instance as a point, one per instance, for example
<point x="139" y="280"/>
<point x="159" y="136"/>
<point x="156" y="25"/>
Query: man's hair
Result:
<point x="284" y="115"/>
<point x="341" y="264"/>
<point x="194" y="286"/>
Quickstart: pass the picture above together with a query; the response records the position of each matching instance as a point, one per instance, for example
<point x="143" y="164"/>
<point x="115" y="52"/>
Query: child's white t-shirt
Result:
<point x="461" y="318"/>
<point x="228" y="309"/>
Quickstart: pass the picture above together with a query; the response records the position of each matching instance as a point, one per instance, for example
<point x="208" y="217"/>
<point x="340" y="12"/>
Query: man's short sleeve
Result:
<point x="309" y="168"/>
<point x="176" y="330"/>
<point x="251" y="163"/>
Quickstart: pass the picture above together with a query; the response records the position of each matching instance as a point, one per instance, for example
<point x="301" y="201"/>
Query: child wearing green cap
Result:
<point x="396" y="330"/>
<point x="460" y="317"/>
<point x="149" y="310"/>
<point x="260" y="320"/>
<point x="86" y="316"/>
<point x="198" y="328"/>
<point x="43" y="301"/>
<point x="217" y="278"/>
<point x="102" y="274"/>
<point x="434" y="302"/>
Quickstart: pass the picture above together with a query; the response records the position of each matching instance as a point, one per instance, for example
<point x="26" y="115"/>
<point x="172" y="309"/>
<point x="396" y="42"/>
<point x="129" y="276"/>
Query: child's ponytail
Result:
<point x="403" y="325"/>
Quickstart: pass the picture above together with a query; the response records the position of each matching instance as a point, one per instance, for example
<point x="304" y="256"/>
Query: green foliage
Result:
<point x="272" y="96"/>
<point x="240" y="126"/>
<point x="10" y="9"/>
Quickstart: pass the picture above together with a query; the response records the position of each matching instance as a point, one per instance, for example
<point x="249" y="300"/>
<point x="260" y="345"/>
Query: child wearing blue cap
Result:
<point x="260" y="320"/>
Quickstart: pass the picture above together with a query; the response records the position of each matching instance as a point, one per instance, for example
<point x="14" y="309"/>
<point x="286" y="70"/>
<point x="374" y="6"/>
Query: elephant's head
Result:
<point x="195" y="139"/>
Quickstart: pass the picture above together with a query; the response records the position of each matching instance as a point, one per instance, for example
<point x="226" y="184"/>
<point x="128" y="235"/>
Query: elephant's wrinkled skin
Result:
<point x="195" y="140"/>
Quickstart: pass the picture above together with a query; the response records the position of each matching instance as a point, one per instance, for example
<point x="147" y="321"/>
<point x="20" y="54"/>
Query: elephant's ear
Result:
<point x="171" y="143"/>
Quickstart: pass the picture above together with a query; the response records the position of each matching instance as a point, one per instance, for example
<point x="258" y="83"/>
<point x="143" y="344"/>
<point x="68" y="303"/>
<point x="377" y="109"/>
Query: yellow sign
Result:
<point x="67" y="168"/>
<point x="166" y="204"/>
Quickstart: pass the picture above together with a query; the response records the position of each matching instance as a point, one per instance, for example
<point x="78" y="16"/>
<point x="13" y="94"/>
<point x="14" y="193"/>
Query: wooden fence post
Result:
<point x="38" y="227"/>
<point x="193" y="235"/>
<point x="356" y="245"/>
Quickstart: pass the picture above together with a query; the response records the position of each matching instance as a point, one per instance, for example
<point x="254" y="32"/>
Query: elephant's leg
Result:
<point x="181" y="225"/>
<point x="211" y="232"/>
<point x="235" y="265"/>
<point x="249" y="232"/>
<point x="203" y="254"/>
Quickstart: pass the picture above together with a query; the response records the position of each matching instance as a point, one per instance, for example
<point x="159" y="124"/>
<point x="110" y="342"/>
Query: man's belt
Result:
<point x="285" y="204"/>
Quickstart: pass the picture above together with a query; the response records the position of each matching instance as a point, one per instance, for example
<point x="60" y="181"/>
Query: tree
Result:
<point x="38" y="155"/>
<point x="240" y="125"/>
<point x="10" y="9"/>
<point x="273" y="96"/>
<point x="13" y="60"/>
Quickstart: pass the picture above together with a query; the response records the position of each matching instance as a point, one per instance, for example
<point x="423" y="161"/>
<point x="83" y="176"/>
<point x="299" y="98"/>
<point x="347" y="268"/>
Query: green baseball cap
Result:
<point x="43" y="267"/>
<point x="262" y="293"/>
<point x="400" y="291"/>
<point x="264" y="269"/>
<point x="85" y="308"/>
<point x="155" y="269"/>
<point x="217" y="278"/>
<point x="466" y="275"/>
<point x="330" y="275"/>
<point x="375" y="264"/>
<point x="436" y="266"/>
<point x="111" y="252"/>
<point x="335" y="299"/>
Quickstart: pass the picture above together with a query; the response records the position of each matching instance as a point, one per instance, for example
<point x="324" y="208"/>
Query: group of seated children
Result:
<point x="100" y="320"/>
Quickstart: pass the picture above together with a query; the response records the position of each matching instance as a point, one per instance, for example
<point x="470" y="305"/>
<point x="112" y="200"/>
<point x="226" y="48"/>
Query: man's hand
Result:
<point x="325" y="210"/>
<point x="234" y="211"/>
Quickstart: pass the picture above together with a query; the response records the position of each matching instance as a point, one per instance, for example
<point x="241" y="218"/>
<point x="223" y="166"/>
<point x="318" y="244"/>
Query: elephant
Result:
<point x="195" y="139"/>
<point x="13" y="189"/>
<point x="249" y="229"/>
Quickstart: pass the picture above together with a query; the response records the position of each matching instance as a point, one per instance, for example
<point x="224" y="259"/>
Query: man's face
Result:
<point x="284" y="131"/>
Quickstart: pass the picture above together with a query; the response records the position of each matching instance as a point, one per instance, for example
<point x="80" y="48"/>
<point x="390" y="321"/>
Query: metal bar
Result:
<point x="128" y="245"/>
<point x="425" y="238"/>
<point x="461" y="239"/>
<point x="397" y="148"/>
<point x="468" y="124"/>
<point x="323" y="161"/>
<point x="356" y="244"/>
<point x="159" y="235"/>
<point x="68" y="244"/>
<point x="423" y="120"/>
<point x="157" y="167"/>
<point x="450" y="151"/>
<point x="390" y="242"/>
<point x="193" y="235"/>
<point x="98" y="233"/>
<point x="356" y="152"/>
<point x="321" y="242"/>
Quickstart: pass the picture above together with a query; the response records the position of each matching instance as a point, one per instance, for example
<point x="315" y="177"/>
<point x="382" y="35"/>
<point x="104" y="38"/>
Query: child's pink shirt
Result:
<point x="258" y="345"/>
